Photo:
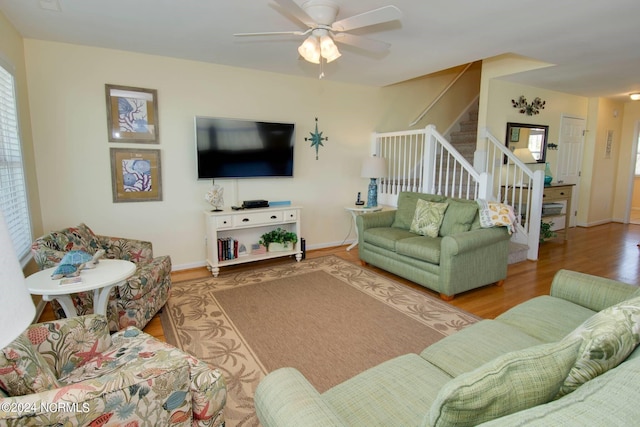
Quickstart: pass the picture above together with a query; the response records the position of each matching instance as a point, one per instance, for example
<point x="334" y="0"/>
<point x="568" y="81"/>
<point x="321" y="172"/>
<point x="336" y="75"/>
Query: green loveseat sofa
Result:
<point x="463" y="256"/>
<point x="507" y="372"/>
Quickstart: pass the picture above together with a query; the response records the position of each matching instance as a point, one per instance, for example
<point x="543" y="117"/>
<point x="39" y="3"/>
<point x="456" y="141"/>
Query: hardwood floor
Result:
<point x="609" y="250"/>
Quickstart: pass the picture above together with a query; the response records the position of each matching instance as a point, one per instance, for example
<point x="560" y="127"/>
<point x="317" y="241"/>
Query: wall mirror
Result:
<point x="528" y="142"/>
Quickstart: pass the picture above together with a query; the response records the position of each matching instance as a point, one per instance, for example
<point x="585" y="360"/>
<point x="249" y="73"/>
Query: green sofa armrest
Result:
<point x="376" y="219"/>
<point x="285" y="398"/>
<point x="593" y="292"/>
<point x="456" y="244"/>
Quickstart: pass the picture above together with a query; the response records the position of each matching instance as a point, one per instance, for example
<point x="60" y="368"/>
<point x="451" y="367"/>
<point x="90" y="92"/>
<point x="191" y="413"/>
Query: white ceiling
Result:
<point x="594" y="45"/>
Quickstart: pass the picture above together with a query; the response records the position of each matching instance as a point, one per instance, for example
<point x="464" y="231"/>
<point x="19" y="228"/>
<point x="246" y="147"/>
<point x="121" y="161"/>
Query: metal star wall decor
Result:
<point x="316" y="139"/>
<point x="528" y="109"/>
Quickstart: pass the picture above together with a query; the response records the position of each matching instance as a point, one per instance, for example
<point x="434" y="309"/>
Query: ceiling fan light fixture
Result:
<point x="635" y="96"/>
<point x="328" y="49"/>
<point x="310" y="50"/>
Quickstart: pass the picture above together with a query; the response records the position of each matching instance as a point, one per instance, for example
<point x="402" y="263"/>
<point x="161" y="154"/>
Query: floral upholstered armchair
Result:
<point x="72" y="372"/>
<point x="131" y="304"/>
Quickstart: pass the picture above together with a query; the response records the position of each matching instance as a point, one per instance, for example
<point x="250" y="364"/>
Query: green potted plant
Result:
<point x="546" y="232"/>
<point x="278" y="240"/>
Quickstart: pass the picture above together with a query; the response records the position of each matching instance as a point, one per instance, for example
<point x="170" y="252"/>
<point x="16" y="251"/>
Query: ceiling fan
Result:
<point x="322" y="28"/>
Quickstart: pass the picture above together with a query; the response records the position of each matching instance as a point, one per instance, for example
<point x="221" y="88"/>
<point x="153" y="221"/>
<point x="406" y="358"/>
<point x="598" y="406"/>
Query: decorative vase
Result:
<point x="372" y="195"/>
<point x="547" y="175"/>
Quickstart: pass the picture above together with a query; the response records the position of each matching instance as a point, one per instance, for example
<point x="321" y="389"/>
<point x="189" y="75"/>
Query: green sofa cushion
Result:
<point x="386" y="237"/>
<point x="428" y="217"/>
<point x="459" y="216"/>
<point x="407" y="202"/>
<point x="608" y="337"/>
<point x="608" y="400"/>
<point x="560" y="317"/>
<point x="476" y="345"/>
<point x="397" y="392"/>
<point x="510" y="383"/>
<point x="422" y="248"/>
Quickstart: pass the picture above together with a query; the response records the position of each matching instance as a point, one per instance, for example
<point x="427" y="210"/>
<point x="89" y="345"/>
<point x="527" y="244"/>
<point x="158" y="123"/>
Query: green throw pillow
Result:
<point x="608" y="337"/>
<point x="510" y="383"/>
<point x="407" y="201"/>
<point x="428" y="218"/>
<point x="459" y="217"/>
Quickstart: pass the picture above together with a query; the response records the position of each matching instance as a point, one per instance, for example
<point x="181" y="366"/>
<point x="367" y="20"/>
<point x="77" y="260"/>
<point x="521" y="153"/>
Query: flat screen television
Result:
<point x="235" y="148"/>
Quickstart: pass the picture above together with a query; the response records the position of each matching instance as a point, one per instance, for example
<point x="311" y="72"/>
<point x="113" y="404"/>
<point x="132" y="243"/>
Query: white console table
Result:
<point x="246" y="226"/>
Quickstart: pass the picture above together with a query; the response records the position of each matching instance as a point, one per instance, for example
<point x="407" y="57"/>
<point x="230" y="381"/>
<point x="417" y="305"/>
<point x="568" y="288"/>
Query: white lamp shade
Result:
<point x="635" y="96"/>
<point x="309" y="50"/>
<point x="16" y="306"/>
<point x="374" y="167"/>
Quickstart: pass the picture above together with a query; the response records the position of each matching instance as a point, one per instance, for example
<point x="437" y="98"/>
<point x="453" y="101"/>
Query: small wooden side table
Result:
<point x="359" y="210"/>
<point x="107" y="274"/>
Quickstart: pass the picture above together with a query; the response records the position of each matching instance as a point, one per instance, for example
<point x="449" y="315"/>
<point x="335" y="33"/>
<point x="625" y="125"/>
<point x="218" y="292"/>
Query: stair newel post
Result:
<point x="535" y="213"/>
<point x="485" y="186"/>
<point x="429" y="161"/>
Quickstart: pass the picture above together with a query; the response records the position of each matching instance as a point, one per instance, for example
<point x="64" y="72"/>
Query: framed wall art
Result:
<point x="135" y="175"/>
<point x="132" y="114"/>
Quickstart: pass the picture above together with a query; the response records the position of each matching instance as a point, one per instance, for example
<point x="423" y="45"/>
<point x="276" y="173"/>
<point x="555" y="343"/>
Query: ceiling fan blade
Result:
<point x="274" y="33"/>
<point x="362" y="42"/>
<point x="294" y="9"/>
<point x="372" y="17"/>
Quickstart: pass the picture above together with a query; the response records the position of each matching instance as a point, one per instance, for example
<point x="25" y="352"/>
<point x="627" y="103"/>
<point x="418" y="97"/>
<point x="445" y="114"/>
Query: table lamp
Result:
<point x="17" y="310"/>
<point x="374" y="168"/>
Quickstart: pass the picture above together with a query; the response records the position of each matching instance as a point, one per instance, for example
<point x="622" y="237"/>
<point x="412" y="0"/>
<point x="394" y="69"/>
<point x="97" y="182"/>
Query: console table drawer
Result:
<point x="257" y="218"/>
<point x="223" y="222"/>
<point x="551" y="193"/>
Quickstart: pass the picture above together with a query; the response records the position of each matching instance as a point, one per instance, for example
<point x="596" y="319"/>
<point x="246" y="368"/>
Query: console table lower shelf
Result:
<point x="243" y="229"/>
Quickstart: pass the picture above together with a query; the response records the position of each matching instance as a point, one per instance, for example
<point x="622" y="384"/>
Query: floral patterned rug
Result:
<point x="302" y="315"/>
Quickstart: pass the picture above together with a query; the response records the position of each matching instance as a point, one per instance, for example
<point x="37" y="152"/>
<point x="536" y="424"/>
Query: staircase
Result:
<point x="464" y="139"/>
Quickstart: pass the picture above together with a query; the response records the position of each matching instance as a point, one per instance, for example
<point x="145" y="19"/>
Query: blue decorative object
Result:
<point x="547" y="175"/>
<point x="372" y="195"/>
<point x="373" y="167"/>
<point x="316" y="139"/>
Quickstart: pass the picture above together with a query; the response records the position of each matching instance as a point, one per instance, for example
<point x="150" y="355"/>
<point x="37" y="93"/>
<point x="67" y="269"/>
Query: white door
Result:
<point x="570" y="148"/>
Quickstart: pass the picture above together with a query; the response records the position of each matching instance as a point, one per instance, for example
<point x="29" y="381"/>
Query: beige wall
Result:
<point x="624" y="175"/>
<point x="66" y="92"/>
<point x="599" y="167"/>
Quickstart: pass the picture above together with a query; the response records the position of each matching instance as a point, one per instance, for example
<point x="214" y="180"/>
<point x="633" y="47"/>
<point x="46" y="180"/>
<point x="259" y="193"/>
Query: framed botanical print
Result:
<point x="135" y="175"/>
<point x="132" y="114"/>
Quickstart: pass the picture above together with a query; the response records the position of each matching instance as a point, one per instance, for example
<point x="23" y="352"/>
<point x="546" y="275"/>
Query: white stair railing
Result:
<point x="424" y="161"/>
<point x="517" y="185"/>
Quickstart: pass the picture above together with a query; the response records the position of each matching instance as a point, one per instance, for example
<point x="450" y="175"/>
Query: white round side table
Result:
<point x="359" y="210"/>
<point x="107" y="274"/>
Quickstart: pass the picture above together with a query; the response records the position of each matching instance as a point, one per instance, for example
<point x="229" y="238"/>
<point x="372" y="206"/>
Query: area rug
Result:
<point x="327" y="317"/>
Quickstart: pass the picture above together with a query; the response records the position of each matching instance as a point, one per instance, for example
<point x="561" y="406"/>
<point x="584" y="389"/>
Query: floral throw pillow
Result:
<point x="608" y="337"/>
<point x="23" y="370"/>
<point x="494" y="214"/>
<point x="427" y="218"/>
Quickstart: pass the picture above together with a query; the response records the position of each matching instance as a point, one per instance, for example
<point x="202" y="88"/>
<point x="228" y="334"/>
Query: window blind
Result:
<point x="13" y="189"/>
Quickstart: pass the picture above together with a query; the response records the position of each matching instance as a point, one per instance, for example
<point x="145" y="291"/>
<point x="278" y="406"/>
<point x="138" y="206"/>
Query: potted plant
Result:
<point x="278" y="240"/>
<point x="546" y="232"/>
